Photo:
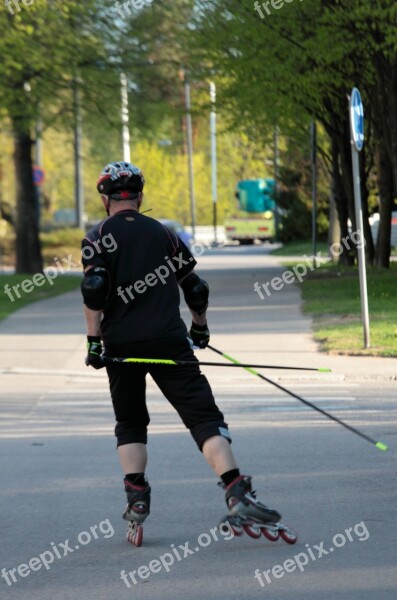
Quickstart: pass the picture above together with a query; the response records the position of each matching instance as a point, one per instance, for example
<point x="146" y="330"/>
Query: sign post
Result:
<point x="356" y="111"/>
<point x="125" y="118"/>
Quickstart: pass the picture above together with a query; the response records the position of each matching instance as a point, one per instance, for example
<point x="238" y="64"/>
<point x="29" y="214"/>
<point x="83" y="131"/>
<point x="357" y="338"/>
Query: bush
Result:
<point x="68" y="236"/>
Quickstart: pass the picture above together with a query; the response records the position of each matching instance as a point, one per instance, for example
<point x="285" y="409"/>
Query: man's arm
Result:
<point x="93" y="321"/>
<point x="92" y="317"/>
<point x="94" y="288"/>
<point x="196" y="293"/>
<point x="199" y="319"/>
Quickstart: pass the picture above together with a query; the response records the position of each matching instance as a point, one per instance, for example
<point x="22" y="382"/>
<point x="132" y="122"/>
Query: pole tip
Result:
<point x="324" y="370"/>
<point x="381" y="446"/>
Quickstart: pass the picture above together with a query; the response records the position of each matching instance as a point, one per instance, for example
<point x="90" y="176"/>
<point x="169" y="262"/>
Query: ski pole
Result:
<point x="163" y="361"/>
<point x="379" y="445"/>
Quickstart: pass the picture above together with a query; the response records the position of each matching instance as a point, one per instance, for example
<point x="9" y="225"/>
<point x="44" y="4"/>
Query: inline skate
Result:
<point x="249" y="515"/>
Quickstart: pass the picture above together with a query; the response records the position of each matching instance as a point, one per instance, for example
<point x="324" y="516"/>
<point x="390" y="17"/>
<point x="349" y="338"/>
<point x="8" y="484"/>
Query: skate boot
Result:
<point x="137" y="509"/>
<point x="249" y="515"/>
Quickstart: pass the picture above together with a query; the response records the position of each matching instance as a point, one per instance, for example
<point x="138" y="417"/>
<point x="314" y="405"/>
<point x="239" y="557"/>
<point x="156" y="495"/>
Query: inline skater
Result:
<point x="131" y="296"/>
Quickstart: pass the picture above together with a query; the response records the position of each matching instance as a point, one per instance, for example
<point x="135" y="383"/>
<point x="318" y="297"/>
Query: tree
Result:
<point x="44" y="47"/>
<point x="300" y="63"/>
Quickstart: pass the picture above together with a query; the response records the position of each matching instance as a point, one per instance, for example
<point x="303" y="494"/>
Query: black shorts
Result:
<point x="185" y="387"/>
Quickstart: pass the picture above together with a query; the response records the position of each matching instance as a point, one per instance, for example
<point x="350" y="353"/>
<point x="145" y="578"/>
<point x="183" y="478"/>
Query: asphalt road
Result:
<point x="61" y="493"/>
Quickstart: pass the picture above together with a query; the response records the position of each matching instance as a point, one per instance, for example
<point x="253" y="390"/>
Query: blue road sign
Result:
<point x="38" y="175"/>
<point x="357" y="119"/>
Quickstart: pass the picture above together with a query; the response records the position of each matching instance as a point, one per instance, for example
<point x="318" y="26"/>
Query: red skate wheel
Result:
<point x="253" y="531"/>
<point x="288" y="535"/>
<point x="135" y="534"/>
<point x="271" y="534"/>
<point x="229" y="523"/>
<point x="138" y="537"/>
<point x="237" y="530"/>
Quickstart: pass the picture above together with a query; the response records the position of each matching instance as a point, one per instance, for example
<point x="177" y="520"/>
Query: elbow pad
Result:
<point x="196" y="292"/>
<point x="95" y="288"/>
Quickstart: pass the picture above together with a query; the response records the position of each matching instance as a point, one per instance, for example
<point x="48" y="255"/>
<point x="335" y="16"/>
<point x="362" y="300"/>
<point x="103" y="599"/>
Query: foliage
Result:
<point x="277" y="70"/>
<point x="280" y="70"/>
<point x="295" y="194"/>
<point x="62" y="237"/>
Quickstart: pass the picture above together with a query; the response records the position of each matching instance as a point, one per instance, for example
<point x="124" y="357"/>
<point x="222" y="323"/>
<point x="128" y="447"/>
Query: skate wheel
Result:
<point x="237" y="530"/>
<point x="138" y="536"/>
<point x="135" y="535"/>
<point x="253" y="531"/>
<point x="231" y="523"/>
<point x="271" y="533"/>
<point x="288" y="535"/>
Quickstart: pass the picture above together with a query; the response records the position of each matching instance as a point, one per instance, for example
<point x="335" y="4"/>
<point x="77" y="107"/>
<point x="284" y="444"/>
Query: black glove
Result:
<point x="200" y="335"/>
<point x="94" y="349"/>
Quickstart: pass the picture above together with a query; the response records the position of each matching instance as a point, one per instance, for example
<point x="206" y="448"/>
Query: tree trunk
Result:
<point x="369" y="242"/>
<point x="339" y="196"/>
<point x="347" y="173"/>
<point x="347" y="177"/>
<point x="386" y="200"/>
<point x="28" y="251"/>
<point x="392" y="115"/>
<point x="385" y="114"/>
<point x="334" y="235"/>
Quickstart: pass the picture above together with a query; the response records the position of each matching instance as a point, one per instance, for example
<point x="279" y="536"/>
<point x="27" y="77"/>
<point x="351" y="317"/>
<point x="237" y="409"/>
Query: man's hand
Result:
<point x="200" y="335"/>
<point x="94" y="351"/>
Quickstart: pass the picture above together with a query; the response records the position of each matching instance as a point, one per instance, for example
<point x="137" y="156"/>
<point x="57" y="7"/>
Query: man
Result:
<point x="131" y="297"/>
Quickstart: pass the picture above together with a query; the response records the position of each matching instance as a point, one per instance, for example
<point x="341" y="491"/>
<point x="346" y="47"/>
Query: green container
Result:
<point x="256" y="195"/>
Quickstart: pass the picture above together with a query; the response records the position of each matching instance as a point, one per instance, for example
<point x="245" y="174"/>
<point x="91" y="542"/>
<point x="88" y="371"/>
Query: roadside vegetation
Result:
<point x="331" y="296"/>
<point x="300" y="248"/>
<point x="60" y="285"/>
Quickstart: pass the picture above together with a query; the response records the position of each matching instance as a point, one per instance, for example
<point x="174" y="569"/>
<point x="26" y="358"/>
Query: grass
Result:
<point x="62" y="284"/>
<point x="332" y="296"/>
<point x="305" y="248"/>
<point x="300" y="248"/>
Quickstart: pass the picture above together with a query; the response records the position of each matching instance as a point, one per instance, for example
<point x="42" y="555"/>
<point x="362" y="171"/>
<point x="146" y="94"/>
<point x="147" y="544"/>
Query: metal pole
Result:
<point x="214" y="166"/>
<point x="356" y="113"/>
<point x="125" y="118"/>
<point x="78" y="158"/>
<point x="190" y="155"/>
<point x="313" y="136"/>
<point x="360" y="247"/>
<point x="275" y="169"/>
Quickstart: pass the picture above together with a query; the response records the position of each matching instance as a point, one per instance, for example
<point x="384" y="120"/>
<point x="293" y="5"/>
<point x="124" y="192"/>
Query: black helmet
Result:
<point x="121" y="181"/>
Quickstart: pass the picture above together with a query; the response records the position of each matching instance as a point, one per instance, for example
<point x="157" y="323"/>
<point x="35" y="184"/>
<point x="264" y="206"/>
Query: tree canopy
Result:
<point x="279" y="70"/>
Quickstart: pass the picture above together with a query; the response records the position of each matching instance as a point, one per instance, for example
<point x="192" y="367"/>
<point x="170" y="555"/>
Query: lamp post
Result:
<point x="214" y="165"/>
<point x="189" y="135"/>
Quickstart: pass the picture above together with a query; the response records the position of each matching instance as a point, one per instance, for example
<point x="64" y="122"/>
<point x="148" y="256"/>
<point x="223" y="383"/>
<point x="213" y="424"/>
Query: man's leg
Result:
<point x="218" y="454"/>
<point x="127" y="388"/>
<point x="133" y="458"/>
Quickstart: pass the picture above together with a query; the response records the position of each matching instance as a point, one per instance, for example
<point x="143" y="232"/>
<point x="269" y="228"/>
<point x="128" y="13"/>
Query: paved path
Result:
<point x="60" y="476"/>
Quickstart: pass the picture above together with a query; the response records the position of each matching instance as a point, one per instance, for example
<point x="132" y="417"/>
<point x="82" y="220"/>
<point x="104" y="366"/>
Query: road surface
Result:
<point x="61" y="489"/>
